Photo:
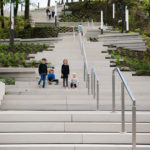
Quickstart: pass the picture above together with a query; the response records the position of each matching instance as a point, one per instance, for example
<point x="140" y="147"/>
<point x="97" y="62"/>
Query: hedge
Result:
<point x="42" y="32"/>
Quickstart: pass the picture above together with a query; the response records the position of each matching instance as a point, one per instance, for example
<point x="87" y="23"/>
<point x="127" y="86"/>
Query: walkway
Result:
<point x="34" y="118"/>
<point x="60" y="98"/>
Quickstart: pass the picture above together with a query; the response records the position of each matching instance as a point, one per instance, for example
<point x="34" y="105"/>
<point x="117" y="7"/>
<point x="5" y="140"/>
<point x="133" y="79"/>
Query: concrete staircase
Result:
<point x="54" y="118"/>
<point x="48" y="130"/>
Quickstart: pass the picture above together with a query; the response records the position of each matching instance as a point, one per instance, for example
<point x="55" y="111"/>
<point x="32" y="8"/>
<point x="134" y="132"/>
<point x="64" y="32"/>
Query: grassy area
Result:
<point x="8" y="81"/>
<point x="135" y="60"/>
<point x="18" y="57"/>
<point x="93" y="39"/>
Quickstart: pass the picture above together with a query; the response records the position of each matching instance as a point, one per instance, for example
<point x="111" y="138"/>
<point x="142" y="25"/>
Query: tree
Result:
<point x="49" y="3"/>
<point x="16" y="8"/>
<point x="27" y="11"/>
<point x="2" y="13"/>
<point x="27" y="14"/>
<point x="147" y="6"/>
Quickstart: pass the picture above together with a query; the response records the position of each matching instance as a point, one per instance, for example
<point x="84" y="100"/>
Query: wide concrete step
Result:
<point x="49" y="97"/>
<point x="48" y="105"/>
<point x="69" y="127"/>
<point x="72" y="138"/>
<point x="50" y="87"/>
<point x="140" y="43"/>
<point x="71" y="147"/>
<point x="46" y="91"/>
<point x="120" y="35"/>
<point x="62" y="91"/>
<point x="126" y="41"/>
<point x="66" y="103"/>
<point x="125" y="38"/>
<point x="70" y="116"/>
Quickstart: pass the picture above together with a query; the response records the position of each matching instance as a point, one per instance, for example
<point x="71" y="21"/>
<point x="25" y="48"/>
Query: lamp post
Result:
<point x="55" y="13"/>
<point x="38" y="5"/>
<point x="127" y="18"/>
<point x="113" y="15"/>
<point x="12" y="25"/>
<point x="102" y="22"/>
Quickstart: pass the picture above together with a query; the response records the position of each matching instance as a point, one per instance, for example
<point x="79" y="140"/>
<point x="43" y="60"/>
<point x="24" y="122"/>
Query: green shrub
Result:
<point x="18" y="57"/>
<point x="8" y="81"/>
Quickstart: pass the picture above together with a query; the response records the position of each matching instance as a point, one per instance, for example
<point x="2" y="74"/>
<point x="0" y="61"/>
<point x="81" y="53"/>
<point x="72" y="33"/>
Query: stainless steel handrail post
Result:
<point x="80" y="42"/>
<point x="134" y="126"/>
<point x="124" y="85"/>
<point x="123" y="108"/>
<point x="86" y="78"/>
<point x="113" y="92"/>
<point x="82" y="46"/>
<point x="97" y="95"/>
<point x="94" y="86"/>
<point x="92" y="81"/>
<point x="88" y="84"/>
<point x="84" y="72"/>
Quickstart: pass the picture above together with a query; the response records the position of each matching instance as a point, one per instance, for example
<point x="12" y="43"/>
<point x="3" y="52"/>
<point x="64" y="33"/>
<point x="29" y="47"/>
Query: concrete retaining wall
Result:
<point x="2" y="91"/>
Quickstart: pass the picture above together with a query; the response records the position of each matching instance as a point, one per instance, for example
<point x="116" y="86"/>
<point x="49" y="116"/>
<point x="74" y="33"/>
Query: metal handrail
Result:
<point x="124" y="85"/>
<point x="95" y="86"/>
<point x="86" y="68"/>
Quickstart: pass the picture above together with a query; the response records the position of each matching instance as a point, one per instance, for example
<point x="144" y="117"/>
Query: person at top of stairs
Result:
<point x="43" y="71"/>
<point x="53" y="13"/>
<point x="47" y="11"/>
<point x="49" y="14"/>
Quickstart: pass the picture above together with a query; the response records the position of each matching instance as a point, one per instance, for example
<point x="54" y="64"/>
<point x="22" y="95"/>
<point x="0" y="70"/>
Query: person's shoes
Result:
<point x="39" y="85"/>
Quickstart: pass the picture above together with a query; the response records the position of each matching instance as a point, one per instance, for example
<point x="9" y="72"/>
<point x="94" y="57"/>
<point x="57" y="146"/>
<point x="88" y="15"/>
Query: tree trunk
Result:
<point x="66" y="1"/>
<point x="2" y="13"/>
<point x="106" y="12"/>
<point x="16" y="9"/>
<point x="27" y="3"/>
<point x="62" y="1"/>
<point x="27" y="14"/>
<point x="49" y="3"/>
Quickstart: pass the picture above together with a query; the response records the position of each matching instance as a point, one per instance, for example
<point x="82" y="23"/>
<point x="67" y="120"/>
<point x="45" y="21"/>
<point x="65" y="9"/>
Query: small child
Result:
<point x="74" y="81"/>
<point x="51" y="77"/>
<point x="53" y="13"/>
<point x="47" y="10"/>
<point x="43" y="71"/>
<point x="80" y="29"/>
<point x="65" y="71"/>
<point x="49" y="14"/>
